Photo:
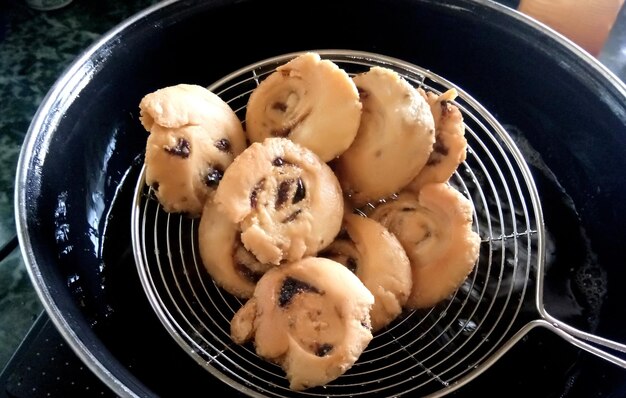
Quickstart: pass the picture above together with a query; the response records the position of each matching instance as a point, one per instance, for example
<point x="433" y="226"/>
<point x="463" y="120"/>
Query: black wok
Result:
<point x="83" y="153"/>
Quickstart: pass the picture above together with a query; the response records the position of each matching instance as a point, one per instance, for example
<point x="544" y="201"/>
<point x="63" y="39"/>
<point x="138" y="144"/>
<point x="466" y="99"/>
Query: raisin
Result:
<point x="213" y="177"/>
<point x="291" y="287"/>
<point x="247" y="273"/>
<point x="323" y="349"/>
<point x="182" y="148"/>
<point x="253" y="198"/>
<point x="300" y="191"/>
<point x="223" y="145"/>
<point x="439" y="150"/>
<point x="282" y="193"/>
<point x="439" y="147"/>
<point x="445" y="108"/>
<point x="278" y="162"/>
<point x="292" y="216"/>
<point x="255" y="193"/>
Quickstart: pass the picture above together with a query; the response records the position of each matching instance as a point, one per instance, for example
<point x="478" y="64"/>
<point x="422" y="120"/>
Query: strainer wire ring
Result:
<point x="257" y="76"/>
<point x="495" y="191"/>
<point x="488" y="312"/>
<point x="523" y="168"/>
<point x="184" y="297"/>
<point x="501" y="217"/>
<point x="169" y="320"/>
<point x="226" y="344"/>
<point x="372" y="58"/>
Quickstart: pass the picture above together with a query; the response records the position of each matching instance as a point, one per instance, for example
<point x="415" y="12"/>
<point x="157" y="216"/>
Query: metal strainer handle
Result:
<point x="583" y="340"/>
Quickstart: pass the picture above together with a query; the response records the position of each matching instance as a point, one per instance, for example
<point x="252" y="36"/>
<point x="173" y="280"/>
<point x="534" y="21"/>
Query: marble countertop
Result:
<point x="35" y="47"/>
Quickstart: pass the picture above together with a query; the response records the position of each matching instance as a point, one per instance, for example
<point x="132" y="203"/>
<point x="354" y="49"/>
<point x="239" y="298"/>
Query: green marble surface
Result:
<point x="35" y="48"/>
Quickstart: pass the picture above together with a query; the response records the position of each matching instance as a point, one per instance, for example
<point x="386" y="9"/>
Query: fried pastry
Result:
<point x="394" y="140"/>
<point x="311" y="317"/>
<point x="450" y="148"/>
<point x="224" y="257"/>
<point x="287" y="202"/>
<point x="380" y="262"/>
<point x="194" y="136"/>
<point x="435" y="229"/>
<point x="310" y="101"/>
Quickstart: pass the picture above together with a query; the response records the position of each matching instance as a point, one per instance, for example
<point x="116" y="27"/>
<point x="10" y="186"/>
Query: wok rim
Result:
<point x="42" y="126"/>
<point x="46" y="119"/>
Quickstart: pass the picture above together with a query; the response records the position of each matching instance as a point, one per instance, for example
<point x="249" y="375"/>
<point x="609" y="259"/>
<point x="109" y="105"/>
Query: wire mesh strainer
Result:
<point x="422" y="353"/>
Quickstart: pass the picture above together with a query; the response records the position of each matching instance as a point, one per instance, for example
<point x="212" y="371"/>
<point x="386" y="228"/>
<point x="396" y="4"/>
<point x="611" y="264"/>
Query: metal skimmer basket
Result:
<point x="423" y="353"/>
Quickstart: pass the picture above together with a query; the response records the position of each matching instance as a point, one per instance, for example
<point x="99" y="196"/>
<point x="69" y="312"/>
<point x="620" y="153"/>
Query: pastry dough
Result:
<point x="394" y="140"/>
<point x="450" y="148"/>
<point x="287" y="202"/>
<point x="435" y="229"/>
<point x="310" y="101"/>
<point x="380" y="262"/>
<point x="312" y="317"/>
<point x="194" y="136"/>
<point x="224" y="257"/>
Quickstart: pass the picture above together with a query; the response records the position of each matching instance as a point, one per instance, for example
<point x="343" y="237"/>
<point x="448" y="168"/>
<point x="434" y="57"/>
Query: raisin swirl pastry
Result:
<point x="374" y="254"/>
<point x="225" y="258"/>
<point x="312" y="317"/>
<point x="394" y="140"/>
<point x="309" y="100"/>
<point x="450" y="148"/>
<point x="194" y="136"/>
<point x="435" y="229"/>
<point x="287" y="202"/>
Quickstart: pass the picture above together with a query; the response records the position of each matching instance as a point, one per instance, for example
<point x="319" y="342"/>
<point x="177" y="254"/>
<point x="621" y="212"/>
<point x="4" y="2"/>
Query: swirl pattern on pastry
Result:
<point x="435" y="229"/>
<point x="312" y="317"/>
<point x="287" y="202"/>
<point x="311" y="101"/>
<point x="194" y="136"/>
<point x="450" y="148"/>
<point x="394" y="140"/>
<point x="369" y="250"/>
<point x="224" y="257"/>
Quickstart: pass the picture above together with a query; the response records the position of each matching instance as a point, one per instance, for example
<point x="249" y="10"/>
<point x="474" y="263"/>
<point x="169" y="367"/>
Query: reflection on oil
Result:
<point x="80" y="225"/>
<point x="61" y="226"/>
<point x="95" y="202"/>
<point x="575" y="283"/>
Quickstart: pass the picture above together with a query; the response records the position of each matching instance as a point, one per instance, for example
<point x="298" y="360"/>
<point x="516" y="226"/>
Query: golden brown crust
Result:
<point x="308" y="100"/>
<point x="394" y="140"/>
<point x="435" y="229"/>
<point x="287" y="202"/>
<point x="224" y="257"/>
<point x="194" y="136"/>
<point x="311" y="317"/>
<point x="450" y="148"/>
<point x="377" y="258"/>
